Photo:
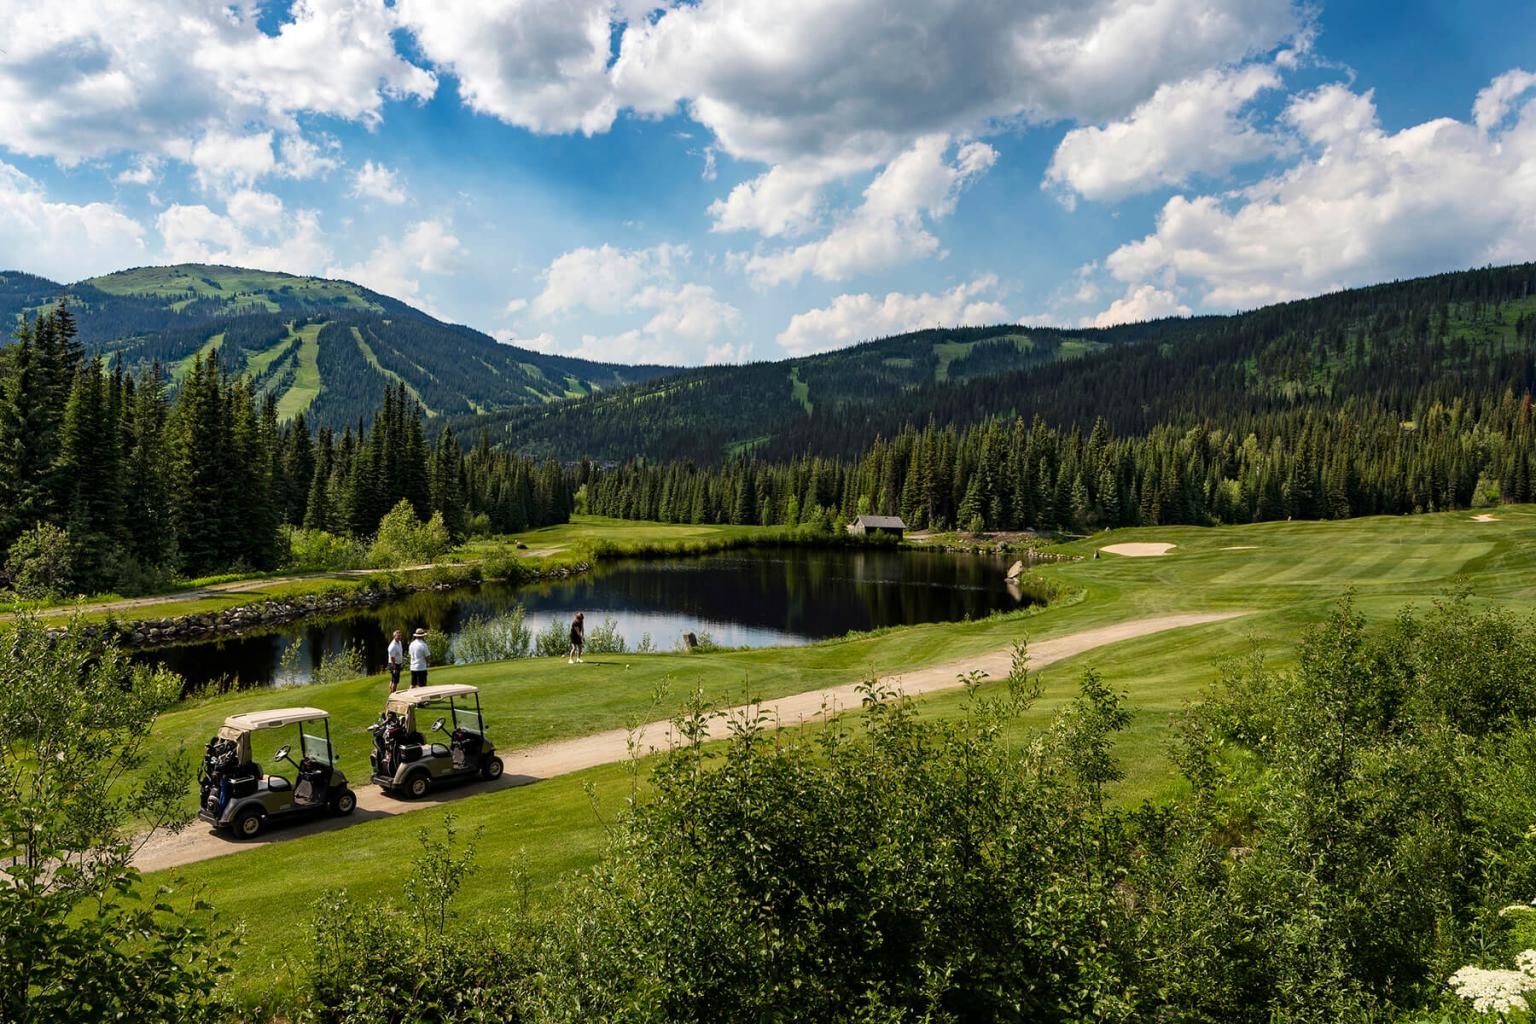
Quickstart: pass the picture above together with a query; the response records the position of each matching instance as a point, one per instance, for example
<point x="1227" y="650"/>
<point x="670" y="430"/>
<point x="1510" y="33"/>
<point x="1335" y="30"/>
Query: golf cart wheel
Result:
<point x="492" y="769"/>
<point x="346" y="803"/>
<point x="417" y="784"/>
<point x="248" y="824"/>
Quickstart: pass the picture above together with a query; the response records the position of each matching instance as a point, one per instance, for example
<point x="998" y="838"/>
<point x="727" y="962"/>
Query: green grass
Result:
<point x="184" y="366"/>
<point x="1288" y="575"/>
<point x="800" y="391"/>
<point x="257" y="363"/>
<point x="241" y="287"/>
<point x="306" y="383"/>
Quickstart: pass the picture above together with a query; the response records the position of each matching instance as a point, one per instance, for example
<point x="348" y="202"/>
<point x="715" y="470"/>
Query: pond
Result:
<point x="756" y="598"/>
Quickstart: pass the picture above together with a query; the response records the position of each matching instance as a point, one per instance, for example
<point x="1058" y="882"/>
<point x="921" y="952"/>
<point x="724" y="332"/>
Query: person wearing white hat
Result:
<point x="419" y="653"/>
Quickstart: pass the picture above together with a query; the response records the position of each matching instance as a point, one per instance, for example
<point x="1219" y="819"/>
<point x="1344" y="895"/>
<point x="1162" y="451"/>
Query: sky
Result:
<point x="728" y="180"/>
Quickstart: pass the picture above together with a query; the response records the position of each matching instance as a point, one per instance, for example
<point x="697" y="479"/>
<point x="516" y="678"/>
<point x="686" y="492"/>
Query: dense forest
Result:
<point x="1400" y="347"/>
<point x="109" y="480"/>
<point x="1403" y="398"/>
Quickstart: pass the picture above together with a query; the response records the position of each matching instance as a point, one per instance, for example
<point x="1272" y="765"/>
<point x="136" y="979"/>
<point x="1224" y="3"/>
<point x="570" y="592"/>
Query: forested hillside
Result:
<point x="110" y="481"/>
<point x="1398" y="346"/>
<point x="328" y="349"/>
<point x="1401" y="398"/>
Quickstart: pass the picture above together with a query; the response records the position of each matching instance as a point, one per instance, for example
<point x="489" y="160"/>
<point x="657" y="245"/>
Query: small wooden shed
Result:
<point x="865" y="526"/>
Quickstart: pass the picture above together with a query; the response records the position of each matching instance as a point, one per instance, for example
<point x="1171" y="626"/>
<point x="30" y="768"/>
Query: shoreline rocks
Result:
<point x="142" y="634"/>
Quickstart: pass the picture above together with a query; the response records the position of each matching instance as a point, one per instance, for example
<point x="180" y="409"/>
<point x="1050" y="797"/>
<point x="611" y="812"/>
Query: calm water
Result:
<point x="751" y="599"/>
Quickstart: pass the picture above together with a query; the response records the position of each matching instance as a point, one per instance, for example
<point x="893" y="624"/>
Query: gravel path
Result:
<point x="532" y="764"/>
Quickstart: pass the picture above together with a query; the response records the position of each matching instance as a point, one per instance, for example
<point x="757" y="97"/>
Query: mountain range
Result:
<point x="323" y="348"/>
<point x="329" y="348"/>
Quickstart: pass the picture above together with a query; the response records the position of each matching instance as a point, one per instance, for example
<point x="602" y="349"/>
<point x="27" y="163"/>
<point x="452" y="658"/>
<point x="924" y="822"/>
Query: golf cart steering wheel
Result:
<point x="437" y="726"/>
<point x="282" y="754"/>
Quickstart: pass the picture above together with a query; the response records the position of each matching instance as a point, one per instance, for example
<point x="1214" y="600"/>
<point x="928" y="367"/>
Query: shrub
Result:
<point x="404" y="540"/>
<point x="553" y="641"/>
<point x="439" y="647"/>
<point x="606" y="639"/>
<point x="83" y="941"/>
<point x="883" y="870"/>
<point x="41" y="563"/>
<point x="319" y="551"/>
<point x="493" y="638"/>
<point x="417" y="961"/>
<point x="348" y="662"/>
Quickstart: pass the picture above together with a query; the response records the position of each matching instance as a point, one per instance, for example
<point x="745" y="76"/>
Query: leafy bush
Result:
<point x="418" y="962"/>
<point x="41" y="563"/>
<point x="606" y="638"/>
<point x="404" y="540"/>
<point x="347" y="662"/>
<point x="881" y="871"/>
<point x="493" y="638"/>
<point x="553" y="641"/>
<point x="319" y="551"/>
<point x="83" y="942"/>
<point x="439" y="647"/>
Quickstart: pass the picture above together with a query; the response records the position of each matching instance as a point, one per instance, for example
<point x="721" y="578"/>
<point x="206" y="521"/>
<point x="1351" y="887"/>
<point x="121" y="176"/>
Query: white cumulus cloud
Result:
<point x="854" y="318"/>
<point x="375" y="181"/>
<point x="1189" y="128"/>
<point x="888" y="228"/>
<point x="1144" y="302"/>
<point x="255" y="230"/>
<point x="63" y="241"/>
<point x="396" y="266"/>
<point x="1361" y="205"/>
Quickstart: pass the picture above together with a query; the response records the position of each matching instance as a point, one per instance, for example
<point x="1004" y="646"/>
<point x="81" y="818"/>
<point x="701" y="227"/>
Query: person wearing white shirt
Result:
<point x="419" y="655"/>
<point x="396" y="660"/>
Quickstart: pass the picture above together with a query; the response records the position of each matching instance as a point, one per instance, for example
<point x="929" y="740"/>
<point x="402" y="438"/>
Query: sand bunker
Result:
<point x="1144" y="549"/>
<point x="1485" y="518"/>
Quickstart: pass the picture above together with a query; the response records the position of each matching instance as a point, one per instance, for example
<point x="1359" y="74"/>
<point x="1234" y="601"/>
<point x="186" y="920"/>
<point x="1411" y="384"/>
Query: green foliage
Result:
<point x="606" y="638"/>
<point x="346" y="662"/>
<point x="41" y="563"/>
<point x="553" y="641"/>
<point x="83" y="941"/>
<point x="404" y="540"/>
<point x="893" y="870"/>
<point x="416" y="960"/>
<point x="321" y="551"/>
<point x="439" y="647"/>
<point x="493" y="638"/>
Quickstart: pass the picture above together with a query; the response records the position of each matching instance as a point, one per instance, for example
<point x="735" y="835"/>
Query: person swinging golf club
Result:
<point x="578" y="640"/>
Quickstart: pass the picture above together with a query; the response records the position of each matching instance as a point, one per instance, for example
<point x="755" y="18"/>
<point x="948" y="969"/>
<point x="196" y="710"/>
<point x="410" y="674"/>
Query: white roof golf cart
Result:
<point x="407" y="763"/>
<point x="238" y="796"/>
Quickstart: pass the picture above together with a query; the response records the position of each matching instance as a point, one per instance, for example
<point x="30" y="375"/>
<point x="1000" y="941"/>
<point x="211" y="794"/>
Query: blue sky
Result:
<point x="722" y="180"/>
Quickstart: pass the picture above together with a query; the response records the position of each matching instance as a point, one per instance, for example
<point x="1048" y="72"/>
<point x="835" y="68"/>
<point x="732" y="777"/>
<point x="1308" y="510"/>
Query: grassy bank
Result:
<point x="1285" y="573"/>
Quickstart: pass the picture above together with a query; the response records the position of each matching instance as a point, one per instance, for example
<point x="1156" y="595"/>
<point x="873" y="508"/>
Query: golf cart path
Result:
<point x="532" y="764"/>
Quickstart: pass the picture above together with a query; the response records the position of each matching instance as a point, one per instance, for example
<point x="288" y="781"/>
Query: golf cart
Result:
<point x="239" y="796"/>
<point x="407" y="763"/>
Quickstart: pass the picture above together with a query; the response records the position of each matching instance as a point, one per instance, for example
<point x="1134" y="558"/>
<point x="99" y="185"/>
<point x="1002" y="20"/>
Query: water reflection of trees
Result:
<point x="801" y="594"/>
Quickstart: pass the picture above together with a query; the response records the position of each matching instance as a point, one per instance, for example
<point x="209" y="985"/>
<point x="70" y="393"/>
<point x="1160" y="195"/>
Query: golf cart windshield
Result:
<point x="313" y="742"/>
<point x="467" y="718"/>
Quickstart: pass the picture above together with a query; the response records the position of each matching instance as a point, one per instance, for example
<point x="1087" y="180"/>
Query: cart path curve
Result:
<point x="531" y="764"/>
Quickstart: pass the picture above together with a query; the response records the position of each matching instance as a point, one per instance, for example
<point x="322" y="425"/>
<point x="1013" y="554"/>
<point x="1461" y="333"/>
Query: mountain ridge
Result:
<point x="323" y="347"/>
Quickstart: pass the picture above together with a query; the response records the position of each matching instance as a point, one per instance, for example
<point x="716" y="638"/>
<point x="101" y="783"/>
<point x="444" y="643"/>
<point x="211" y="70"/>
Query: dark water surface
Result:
<point x="744" y="599"/>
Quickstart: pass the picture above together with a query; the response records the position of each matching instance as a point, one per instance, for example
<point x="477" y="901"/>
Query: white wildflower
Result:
<point x="1526" y="962"/>
<point x="1493" y="991"/>
<point x="1516" y="908"/>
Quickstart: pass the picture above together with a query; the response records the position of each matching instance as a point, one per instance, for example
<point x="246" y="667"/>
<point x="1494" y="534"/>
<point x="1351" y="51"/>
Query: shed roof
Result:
<point x="882" y="522"/>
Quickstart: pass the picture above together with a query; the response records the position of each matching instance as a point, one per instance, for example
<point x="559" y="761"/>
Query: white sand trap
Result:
<point x="1142" y="549"/>
<point x="1242" y="547"/>
<point x="1485" y="518"/>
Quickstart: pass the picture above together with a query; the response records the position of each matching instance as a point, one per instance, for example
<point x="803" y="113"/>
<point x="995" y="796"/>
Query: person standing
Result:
<point x="396" y="659"/>
<point x="419" y="654"/>
<point x="578" y="640"/>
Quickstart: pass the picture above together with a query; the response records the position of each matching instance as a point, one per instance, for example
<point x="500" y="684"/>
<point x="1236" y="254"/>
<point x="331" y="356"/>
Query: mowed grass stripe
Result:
<point x="306" y="382"/>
